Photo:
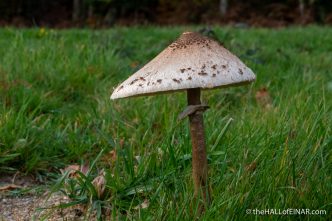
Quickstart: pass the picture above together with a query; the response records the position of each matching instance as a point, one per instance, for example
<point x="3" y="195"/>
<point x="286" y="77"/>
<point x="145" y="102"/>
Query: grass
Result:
<point x="55" y="111"/>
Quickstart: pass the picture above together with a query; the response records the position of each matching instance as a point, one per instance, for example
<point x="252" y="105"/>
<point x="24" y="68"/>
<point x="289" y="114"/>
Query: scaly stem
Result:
<point x="199" y="159"/>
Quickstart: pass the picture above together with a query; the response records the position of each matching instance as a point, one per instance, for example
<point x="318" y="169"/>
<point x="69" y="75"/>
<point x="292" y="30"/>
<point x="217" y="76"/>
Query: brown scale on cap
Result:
<point x="240" y="71"/>
<point x="189" y="78"/>
<point x="142" y="78"/>
<point x="188" y="39"/>
<point x="214" y="66"/>
<point x="120" y="87"/>
<point x="213" y="75"/>
<point x="208" y="46"/>
<point x="131" y="83"/>
<point x="202" y="73"/>
<point x="223" y="66"/>
<point x="159" y="81"/>
<point x="182" y="70"/>
<point x="176" y="80"/>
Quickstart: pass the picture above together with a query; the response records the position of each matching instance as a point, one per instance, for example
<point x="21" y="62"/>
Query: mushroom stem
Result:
<point x="199" y="159"/>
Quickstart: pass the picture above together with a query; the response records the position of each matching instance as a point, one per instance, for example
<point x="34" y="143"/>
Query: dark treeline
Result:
<point x="100" y="13"/>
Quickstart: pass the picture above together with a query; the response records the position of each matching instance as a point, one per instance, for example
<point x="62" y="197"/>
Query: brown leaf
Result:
<point x="99" y="183"/>
<point x="9" y="187"/>
<point x="134" y="64"/>
<point x="251" y="167"/>
<point x="112" y="155"/>
<point x="263" y="98"/>
<point x="71" y="169"/>
<point x="85" y="168"/>
<point x="121" y="143"/>
<point x="91" y="69"/>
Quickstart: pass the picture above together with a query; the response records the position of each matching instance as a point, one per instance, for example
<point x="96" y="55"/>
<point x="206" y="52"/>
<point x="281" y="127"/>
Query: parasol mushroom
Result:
<point x="191" y="63"/>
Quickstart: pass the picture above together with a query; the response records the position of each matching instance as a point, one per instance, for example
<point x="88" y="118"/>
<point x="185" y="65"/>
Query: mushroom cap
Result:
<point x="192" y="61"/>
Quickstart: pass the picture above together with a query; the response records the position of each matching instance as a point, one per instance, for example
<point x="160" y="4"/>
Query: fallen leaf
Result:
<point x="145" y="204"/>
<point x="112" y="155"/>
<point x="134" y="64"/>
<point x="91" y="69"/>
<point x="9" y="187"/>
<point x="263" y="98"/>
<point x="121" y="143"/>
<point x="85" y="168"/>
<point x="71" y="169"/>
<point x="251" y="167"/>
<point x="99" y="183"/>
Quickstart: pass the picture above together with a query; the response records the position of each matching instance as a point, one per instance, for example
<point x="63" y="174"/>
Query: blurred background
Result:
<point x="106" y="13"/>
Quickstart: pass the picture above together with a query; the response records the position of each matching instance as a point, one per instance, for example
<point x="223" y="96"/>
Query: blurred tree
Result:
<point x="107" y="12"/>
<point x="223" y="5"/>
<point x="76" y="10"/>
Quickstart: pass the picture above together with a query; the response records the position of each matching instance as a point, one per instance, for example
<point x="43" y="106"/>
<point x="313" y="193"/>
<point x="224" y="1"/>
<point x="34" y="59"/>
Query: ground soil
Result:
<point x="34" y="207"/>
<point x="23" y="198"/>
